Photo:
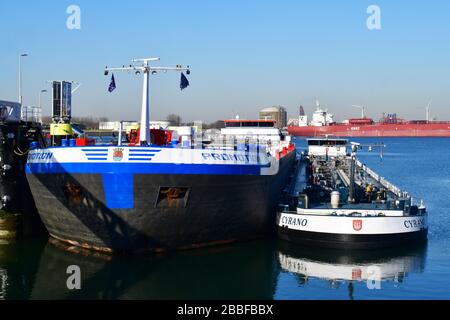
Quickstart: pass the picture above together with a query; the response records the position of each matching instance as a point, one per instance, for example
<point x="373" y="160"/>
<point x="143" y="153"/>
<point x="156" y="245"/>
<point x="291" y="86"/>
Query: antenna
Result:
<point x="146" y="60"/>
<point x="363" y="109"/>
<point x="147" y="71"/>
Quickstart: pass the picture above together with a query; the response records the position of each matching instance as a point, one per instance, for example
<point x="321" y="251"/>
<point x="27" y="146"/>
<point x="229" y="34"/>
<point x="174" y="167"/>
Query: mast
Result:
<point x="145" y="109"/>
<point x="351" y="193"/>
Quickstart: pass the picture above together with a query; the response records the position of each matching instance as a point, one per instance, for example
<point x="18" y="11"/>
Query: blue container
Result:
<point x="72" y="143"/>
<point x="186" y="144"/>
<point x="64" y="143"/>
<point x="34" y="145"/>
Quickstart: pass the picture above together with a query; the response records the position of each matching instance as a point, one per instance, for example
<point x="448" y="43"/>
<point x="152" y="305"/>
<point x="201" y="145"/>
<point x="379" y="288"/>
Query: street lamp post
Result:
<point x="20" y="76"/>
<point x="38" y="112"/>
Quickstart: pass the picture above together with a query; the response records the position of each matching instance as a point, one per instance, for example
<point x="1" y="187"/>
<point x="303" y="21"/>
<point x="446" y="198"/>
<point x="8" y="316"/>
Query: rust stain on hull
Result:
<point x="84" y="248"/>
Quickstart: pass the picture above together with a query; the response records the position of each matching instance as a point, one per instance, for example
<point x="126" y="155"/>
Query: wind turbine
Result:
<point x="363" y="109"/>
<point x="428" y="110"/>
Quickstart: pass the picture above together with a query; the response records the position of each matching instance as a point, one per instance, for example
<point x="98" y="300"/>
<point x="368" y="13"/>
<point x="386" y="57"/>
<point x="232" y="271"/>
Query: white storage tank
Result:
<point x="186" y="134"/>
<point x="335" y="199"/>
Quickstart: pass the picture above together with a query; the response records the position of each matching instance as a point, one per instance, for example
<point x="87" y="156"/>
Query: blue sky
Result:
<point x="244" y="55"/>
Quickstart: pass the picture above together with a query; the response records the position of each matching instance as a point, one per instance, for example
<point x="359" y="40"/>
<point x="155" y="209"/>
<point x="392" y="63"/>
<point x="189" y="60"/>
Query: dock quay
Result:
<point x="18" y="128"/>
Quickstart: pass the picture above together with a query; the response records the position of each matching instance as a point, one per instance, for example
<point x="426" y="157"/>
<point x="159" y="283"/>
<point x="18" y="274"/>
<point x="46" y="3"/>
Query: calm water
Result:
<point x="266" y="269"/>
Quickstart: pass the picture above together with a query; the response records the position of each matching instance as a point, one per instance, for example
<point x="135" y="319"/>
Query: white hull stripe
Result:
<point x="352" y="225"/>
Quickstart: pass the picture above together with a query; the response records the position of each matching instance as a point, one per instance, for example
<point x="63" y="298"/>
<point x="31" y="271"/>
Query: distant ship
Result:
<point x="389" y="125"/>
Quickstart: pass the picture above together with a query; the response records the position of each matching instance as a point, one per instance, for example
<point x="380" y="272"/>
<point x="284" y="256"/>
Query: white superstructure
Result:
<point x="327" y="147"/>
<point x="321" y="117"/>
<point x="253" y="131"/>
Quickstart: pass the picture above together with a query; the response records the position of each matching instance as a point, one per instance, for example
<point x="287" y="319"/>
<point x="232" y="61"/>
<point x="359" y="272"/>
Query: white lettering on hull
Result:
<point x="346" y="225"/>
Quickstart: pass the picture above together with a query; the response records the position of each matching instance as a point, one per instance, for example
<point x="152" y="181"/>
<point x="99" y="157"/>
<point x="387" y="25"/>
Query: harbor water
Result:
<point x="266" y="268"/>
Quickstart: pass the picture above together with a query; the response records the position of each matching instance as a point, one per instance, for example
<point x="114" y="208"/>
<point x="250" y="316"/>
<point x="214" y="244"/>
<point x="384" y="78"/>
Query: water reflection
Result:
<point x="37" y="270"/>
<point x="244" y="271"/>
<point x="350" y="267"/>
<point x="18" y="266"/>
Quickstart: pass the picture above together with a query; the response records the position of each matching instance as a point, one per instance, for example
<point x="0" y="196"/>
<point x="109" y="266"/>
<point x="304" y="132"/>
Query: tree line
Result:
<point x="92" y="123"/>
<point x="85" y="123"/>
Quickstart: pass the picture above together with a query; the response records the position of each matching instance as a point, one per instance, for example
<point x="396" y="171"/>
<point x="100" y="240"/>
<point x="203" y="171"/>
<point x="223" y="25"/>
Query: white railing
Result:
<point x="388" y="185"/>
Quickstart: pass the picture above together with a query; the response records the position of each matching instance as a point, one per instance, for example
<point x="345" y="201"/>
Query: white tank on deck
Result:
<point x="335" y="199"/>
<point x="186" y="134"/>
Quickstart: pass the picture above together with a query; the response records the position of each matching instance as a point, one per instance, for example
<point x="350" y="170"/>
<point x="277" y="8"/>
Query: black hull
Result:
<point x="217" y="209"/>
<point x="350" y="241"/>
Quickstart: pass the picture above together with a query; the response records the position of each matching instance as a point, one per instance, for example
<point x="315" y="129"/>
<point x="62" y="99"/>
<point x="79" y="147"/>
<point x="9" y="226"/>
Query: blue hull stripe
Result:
<point x="119" y="191"/>
<point x="139" y="159"/>
<point x="141" y="168"/>
<point x="142" y="154"/>
<point x="97" y="159"/>
<point x="141" y="150"/>
<point x="96" y="154"/>
<point x="95" y="150"/>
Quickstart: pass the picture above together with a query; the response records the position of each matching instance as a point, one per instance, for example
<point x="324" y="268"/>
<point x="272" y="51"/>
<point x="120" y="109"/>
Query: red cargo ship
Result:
<point x="390" y="125"/>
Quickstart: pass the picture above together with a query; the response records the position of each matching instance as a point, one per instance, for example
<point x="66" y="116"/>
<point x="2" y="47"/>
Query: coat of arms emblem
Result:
<point x="118" y="154"/>
<point x="357" y="225"/>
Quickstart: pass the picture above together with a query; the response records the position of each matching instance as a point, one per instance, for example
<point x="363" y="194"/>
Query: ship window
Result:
<point x="172" y="197"/>
<point x="327" y="142"/>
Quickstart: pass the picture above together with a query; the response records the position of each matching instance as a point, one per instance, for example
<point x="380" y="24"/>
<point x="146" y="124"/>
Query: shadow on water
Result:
<point x="351" y="267"/>
<point x="244" y="271"/>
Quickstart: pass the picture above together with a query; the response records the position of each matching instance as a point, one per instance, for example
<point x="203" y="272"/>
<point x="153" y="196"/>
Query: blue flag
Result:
<point x="184" y="82"/>
<point x="112" y="85"/>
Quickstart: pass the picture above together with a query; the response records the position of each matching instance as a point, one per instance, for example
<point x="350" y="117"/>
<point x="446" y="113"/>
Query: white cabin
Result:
<point x="244" y="129"/>
<point x="327" y="147"/>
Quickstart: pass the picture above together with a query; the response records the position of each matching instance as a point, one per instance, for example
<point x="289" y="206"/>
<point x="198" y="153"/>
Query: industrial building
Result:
<point x="276" y="113"/>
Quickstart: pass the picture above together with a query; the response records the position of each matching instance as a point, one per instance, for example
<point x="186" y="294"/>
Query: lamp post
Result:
<point x="37" y="112"/>
<point x="20" y="76"/>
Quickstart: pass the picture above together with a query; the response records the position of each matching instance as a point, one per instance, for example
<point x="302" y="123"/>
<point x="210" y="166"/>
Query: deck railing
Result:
<point x="388" y="185"/>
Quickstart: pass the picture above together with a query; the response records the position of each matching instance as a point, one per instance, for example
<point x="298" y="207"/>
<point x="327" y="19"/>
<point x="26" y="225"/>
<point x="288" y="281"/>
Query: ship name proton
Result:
<point x="416" y="223"/>
<point x="229" y="157"/>
<point x="40" y="156"/>
<point x="294" y="221"/>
